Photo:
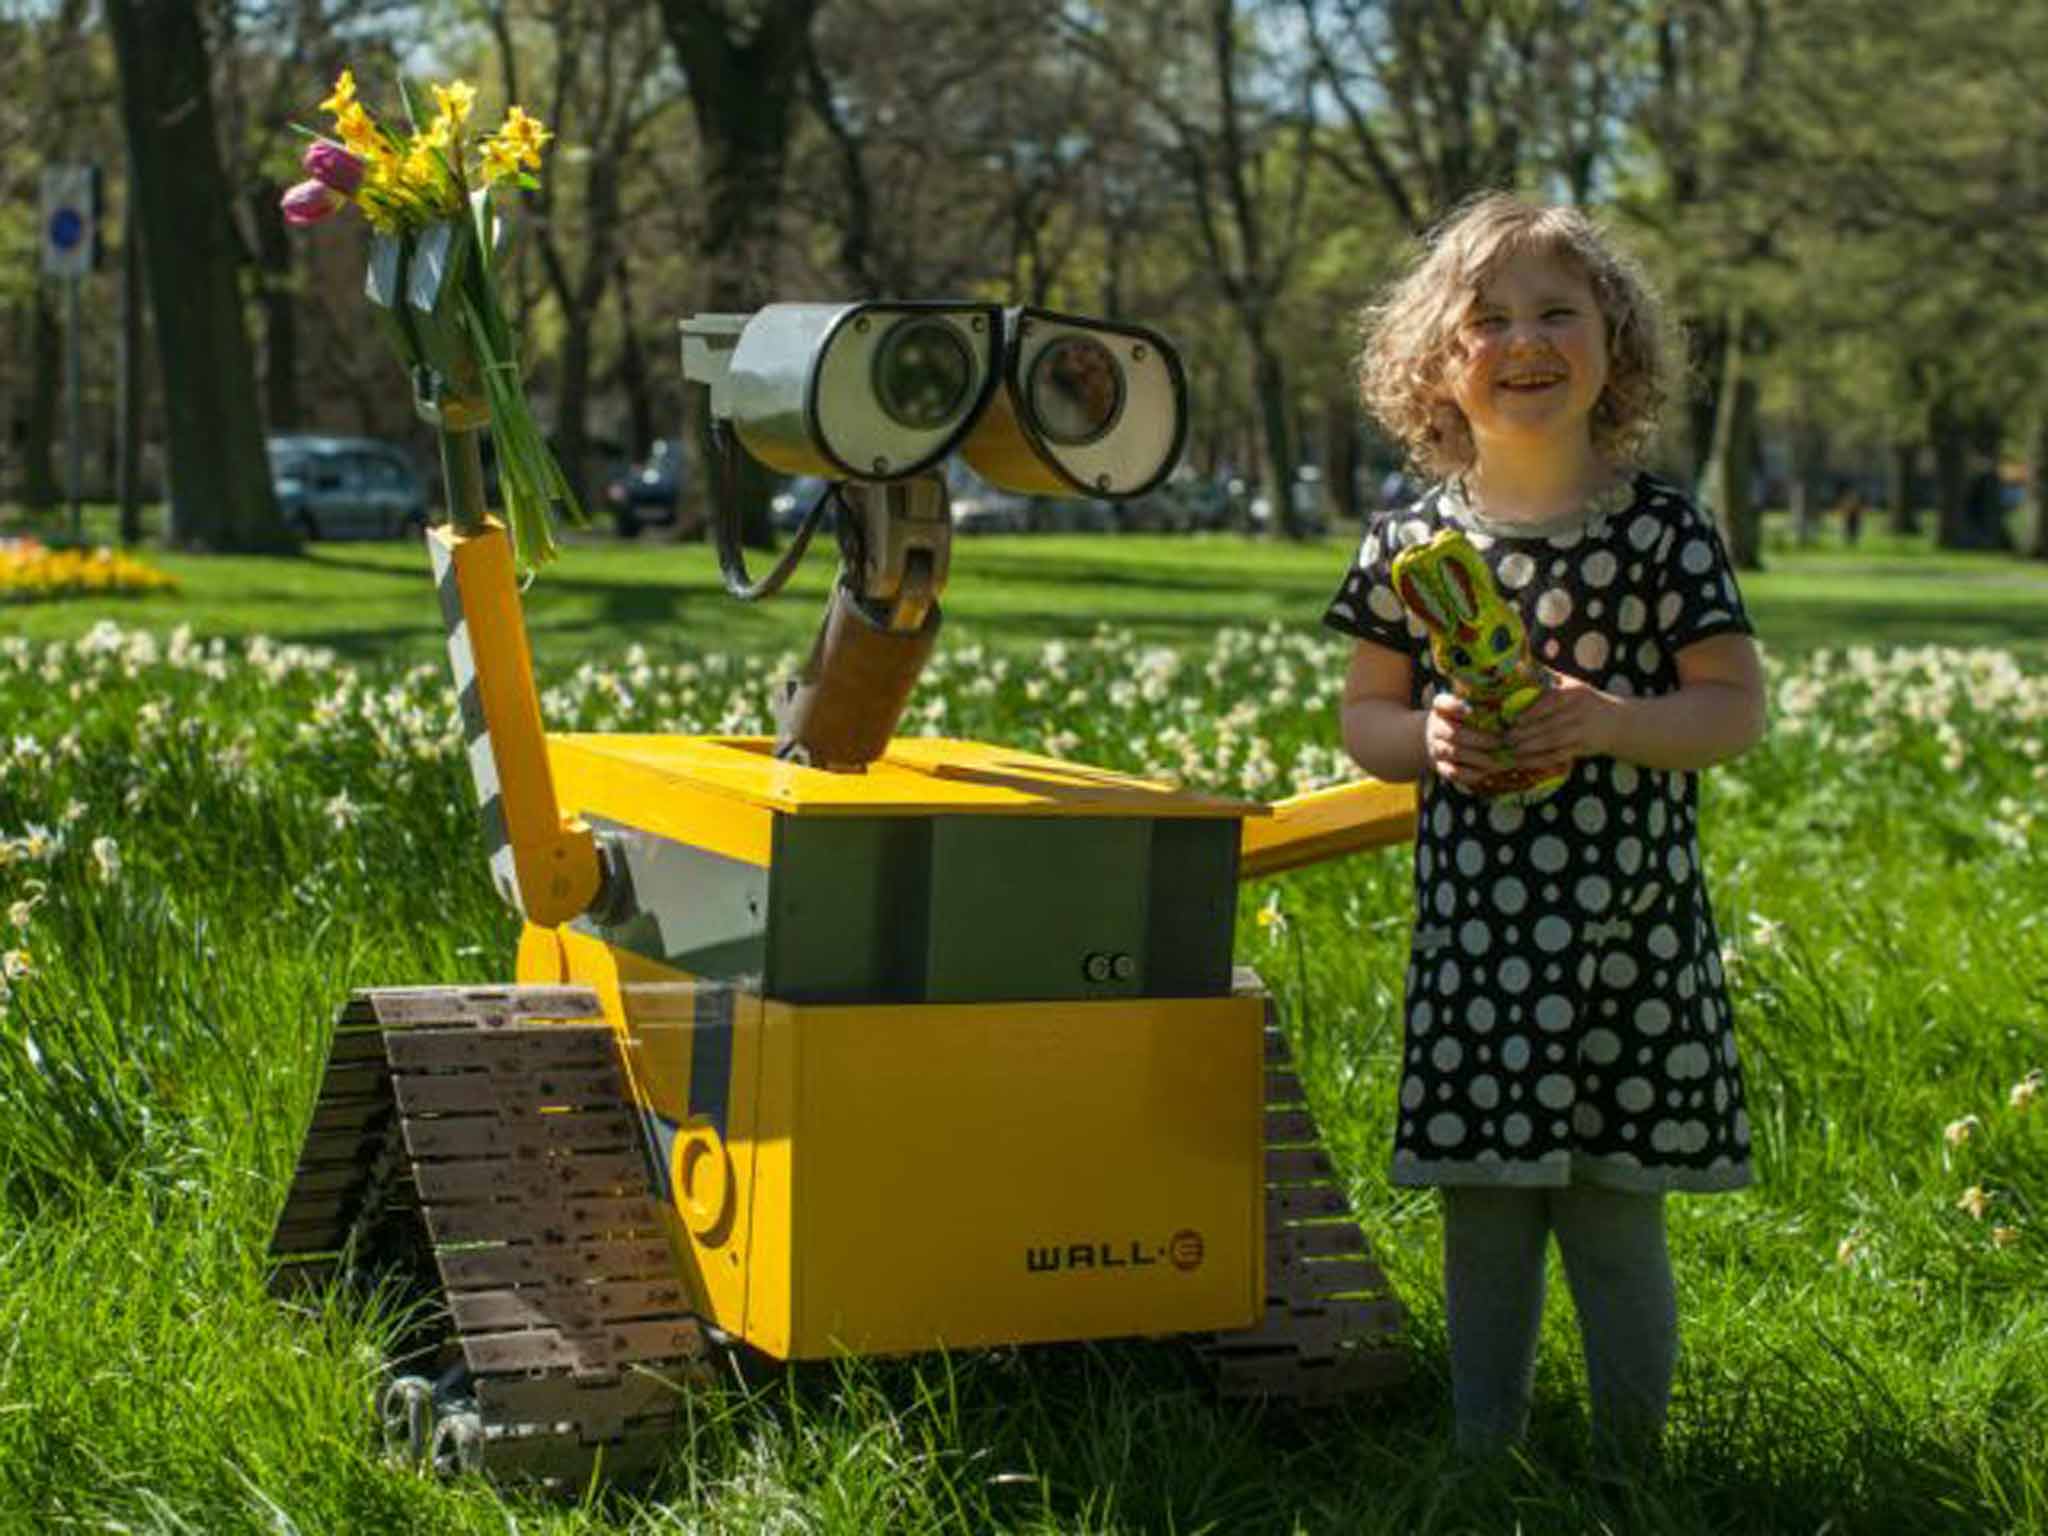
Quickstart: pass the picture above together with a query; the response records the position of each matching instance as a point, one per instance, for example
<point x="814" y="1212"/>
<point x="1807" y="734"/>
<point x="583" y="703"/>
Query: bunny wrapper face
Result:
<point x="1479" y="642"/>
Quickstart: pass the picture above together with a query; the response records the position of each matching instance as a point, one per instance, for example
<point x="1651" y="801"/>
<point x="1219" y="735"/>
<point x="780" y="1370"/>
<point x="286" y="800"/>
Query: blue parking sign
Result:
<point x="71" y="209"/>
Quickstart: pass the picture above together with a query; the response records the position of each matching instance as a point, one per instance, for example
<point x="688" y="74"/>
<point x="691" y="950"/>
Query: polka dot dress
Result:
<point x="1566" y="1012"/>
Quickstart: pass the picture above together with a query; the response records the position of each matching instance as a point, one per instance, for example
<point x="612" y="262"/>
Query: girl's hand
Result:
<point x="1572" y="720"/>
<point x="1457" y="751"/>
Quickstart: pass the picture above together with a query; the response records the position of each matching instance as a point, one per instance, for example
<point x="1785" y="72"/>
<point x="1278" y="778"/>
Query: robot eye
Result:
<point x="1500" y="639"/>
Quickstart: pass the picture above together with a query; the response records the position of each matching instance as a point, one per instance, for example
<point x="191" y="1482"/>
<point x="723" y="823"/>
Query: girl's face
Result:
<point x="1530" y="355"/>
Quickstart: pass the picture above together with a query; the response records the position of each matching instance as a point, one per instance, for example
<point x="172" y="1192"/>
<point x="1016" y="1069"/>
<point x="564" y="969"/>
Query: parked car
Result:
<point x="979" y="507"/>
<point x="346" y="487"/>
<point x="792" y="503"/>
<point x="648" y="492"/>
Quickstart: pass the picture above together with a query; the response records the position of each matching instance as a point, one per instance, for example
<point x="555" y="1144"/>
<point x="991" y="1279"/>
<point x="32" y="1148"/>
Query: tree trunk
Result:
<point x="743" y="92"/>
<point x="1905" y="511"/>
<point x="1276" y="446"/>
<point x="2037" y="487"/>
<point x="1731" y="463"/>
<point x="1809" y="456"/>
<point x="128" y="386"/>
<point x="46" y="370"/>
<point x="633" y="372"/>
<point x="1950" y="437"/>
<point x="219" y="477"/>
<point x="1340" y="434"/>
<point x="282" y="408"/>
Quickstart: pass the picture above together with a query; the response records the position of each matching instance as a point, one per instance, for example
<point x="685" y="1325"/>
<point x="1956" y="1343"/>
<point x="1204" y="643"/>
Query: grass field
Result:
<point x="204" y="846"/>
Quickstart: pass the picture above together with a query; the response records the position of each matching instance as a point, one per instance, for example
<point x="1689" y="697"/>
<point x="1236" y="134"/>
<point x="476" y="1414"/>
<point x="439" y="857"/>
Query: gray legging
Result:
<point x="1619" y="1270"/>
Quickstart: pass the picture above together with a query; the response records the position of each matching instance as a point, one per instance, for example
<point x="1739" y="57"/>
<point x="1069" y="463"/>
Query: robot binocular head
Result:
<point x="1037" y="402"/>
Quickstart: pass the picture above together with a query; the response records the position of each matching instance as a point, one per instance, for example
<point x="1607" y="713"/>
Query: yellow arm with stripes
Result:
<point x="544" y="864"/>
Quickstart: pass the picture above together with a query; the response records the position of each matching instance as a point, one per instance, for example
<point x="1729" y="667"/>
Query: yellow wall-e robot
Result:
<point x="837" y="1042"/>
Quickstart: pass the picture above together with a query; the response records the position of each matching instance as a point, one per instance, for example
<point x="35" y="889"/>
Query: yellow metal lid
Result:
<point x="918" y="776"/>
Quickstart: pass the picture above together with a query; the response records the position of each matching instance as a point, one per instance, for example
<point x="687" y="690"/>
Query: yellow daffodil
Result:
<point x="1975" y="1201"/>
<point x="527" y="133"/>
<point x="358" y="130"/>
<point x="455" y="101"/>
<point x="500" y="159"/>
<point x="344" y="93"/>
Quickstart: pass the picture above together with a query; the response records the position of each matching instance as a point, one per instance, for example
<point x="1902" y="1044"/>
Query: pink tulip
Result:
<point x="311" y="201"/>
<point x="335" y="166"/>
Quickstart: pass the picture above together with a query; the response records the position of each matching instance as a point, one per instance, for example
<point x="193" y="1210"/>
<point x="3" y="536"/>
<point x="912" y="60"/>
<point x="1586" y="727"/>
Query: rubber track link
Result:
<point x="481" y="1141"/>
<point x="1332" y="1324"/>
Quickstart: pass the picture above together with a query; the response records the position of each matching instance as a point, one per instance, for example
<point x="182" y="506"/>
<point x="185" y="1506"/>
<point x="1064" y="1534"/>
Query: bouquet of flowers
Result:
<point x="427" y="192"/>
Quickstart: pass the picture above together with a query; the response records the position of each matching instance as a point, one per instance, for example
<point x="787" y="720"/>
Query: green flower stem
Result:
<point x="531" y="484"/>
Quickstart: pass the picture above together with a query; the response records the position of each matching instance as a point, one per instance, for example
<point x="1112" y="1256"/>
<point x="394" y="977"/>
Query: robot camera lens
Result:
<point x="1076" y="391"/>
<point x="923" y="373"/>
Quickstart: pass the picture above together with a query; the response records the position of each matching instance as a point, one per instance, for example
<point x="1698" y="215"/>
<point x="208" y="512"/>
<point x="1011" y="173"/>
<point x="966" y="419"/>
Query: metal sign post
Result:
<point x="71" y="249"/>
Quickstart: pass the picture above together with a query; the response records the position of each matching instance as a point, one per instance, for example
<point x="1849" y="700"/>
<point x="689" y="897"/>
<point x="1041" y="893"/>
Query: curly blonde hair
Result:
<point x="1409" y="334"/>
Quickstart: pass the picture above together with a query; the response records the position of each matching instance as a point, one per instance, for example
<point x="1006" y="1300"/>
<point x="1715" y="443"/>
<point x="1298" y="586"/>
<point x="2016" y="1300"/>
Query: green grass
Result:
<point x="370" y="599"/>
<point x="285" y="828"/>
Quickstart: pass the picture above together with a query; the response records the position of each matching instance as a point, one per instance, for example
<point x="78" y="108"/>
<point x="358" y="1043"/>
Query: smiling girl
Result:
<point x="1568" y="1057"/>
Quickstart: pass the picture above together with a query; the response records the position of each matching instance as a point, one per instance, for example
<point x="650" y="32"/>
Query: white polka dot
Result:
<point x="1593" y="893"/>
<point x="1646" y="898"/>
<point x="1421" y="1017"/>
<point x="1625" y="777"/>
<point x="1665" y="1136"/>
<point x="1447" y="1054"/>
<point x="1618" y="970"/>
<point x="1504" y="817"/>
<point x="1628" y="855"/>
<point x="1383" y="603"/>
<point x="1696" y="557"/>
<point x="1586" y="1119"/>
<point x="1549" y="854"/>
<point x="1553" y="1013"/>
<point x="1425" y="860"/>
<point x="1728" y="1048"/>
<point x="1485" y="1091"/>
<point x="1631" y="616"/>
<point x="1514" y="1054"/>
<point x="1677" y="864"/>
<point x="1741" y="1129"/>
<point x="1440" y="818"/>
<point x="1554" y="1091"/>
<point x="1471" y="857"/>
<point x="1603" y="1046"/>
<point x="1509" y="895"/>
<point x="1688" y="984"/>
<point x="1516" y="570"/>
<point x="1668" y="607"/>
<point x="1591" y="651"/>
<point x="1589" y="815"/>
<point x="1653" y="1016"/>
<point x="1446" y="898"/>
<point x="1634" y="1095"/>
<point x="1415" y="531"/>
<point x="1656" y="821"/>
<point x="1446" y="1129"/>
<point x="1480" y="1016"/>
<point x="1411" y="1092"/>
<point x="1554" y="607"/>
<point x="1553" y="933"/>
<point x="1475" y="937"/>
<point x="1692" y="1139"/>
<point x="1720" y="1094"/>
<point x="1599" y="567"/>
<point x="1515" y="1130"/>
<point x="1447" y="978"/>
<point x="1642" y="533"/>
<point x="1514" y="974"/>
<point x="1688" y="1061"/>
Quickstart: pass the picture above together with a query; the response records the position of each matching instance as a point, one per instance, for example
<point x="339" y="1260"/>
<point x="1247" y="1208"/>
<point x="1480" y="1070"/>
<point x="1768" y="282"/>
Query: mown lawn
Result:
<point x="203" y="848"/>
